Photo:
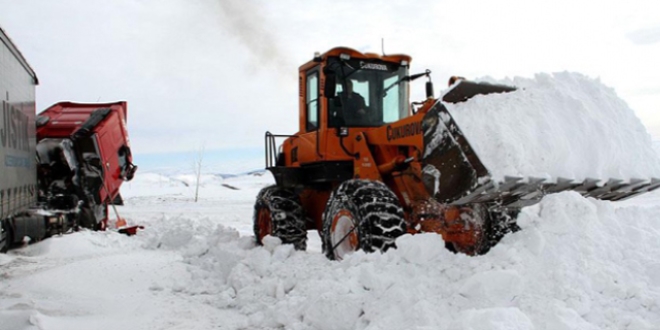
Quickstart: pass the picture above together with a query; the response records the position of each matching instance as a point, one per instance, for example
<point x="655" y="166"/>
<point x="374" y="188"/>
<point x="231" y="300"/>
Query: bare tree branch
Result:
<point x="199" y="157"/>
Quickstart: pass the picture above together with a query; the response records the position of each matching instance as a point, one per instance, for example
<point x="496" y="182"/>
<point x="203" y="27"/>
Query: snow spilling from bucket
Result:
<point x="560" y="125"/>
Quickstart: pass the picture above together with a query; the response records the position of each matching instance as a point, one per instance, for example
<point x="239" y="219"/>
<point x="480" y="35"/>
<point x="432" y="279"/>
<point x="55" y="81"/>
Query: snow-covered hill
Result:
<point x="576" y="264"/>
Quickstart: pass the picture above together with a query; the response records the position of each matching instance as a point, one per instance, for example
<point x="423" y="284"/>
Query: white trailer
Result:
<point x="18" y="173"/>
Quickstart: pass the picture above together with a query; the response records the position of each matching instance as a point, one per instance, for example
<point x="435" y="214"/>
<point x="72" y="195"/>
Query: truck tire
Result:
<point x="86" y="218"/>
<point x="361" y="214"/>
<point x="9" y="238"/>
<point x="277" y="212"/>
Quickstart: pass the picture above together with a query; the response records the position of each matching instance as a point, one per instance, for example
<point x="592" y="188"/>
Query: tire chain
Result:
<point x="288" y="221"/>
<point x="380" y="218"/>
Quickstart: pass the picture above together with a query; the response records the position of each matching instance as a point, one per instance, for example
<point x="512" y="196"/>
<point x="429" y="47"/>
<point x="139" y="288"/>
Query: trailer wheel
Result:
<point x="277" y="212"/>
<point x="361" y="214"/>
<point x="9" y="238"/>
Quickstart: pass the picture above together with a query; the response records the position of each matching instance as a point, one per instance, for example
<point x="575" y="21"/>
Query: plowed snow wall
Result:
<point x="559" y="125"/>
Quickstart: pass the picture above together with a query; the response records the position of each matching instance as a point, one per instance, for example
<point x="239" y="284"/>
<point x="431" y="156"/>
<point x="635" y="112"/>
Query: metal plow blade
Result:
<point x="516" y="192"/>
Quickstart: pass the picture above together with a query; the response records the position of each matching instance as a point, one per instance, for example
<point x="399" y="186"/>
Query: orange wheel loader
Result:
<point x="367" y="166"/>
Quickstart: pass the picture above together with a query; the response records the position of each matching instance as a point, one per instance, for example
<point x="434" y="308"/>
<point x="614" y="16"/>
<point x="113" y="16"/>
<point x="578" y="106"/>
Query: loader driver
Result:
<point x="353" y="105"/>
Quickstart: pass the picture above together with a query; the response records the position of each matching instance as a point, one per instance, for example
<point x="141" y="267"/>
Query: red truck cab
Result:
<point x="84" y="149"/>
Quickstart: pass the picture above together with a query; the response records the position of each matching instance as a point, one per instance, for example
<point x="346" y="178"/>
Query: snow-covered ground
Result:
<point x="577" y="263"/>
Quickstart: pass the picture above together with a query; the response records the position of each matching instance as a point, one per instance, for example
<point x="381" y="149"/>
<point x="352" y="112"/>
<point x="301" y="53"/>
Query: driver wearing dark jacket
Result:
<point x="353" y="104"/>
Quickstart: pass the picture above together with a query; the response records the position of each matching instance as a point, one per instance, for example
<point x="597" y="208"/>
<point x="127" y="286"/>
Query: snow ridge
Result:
<point x="577" y="263"/>
<point x="557" y="125"/>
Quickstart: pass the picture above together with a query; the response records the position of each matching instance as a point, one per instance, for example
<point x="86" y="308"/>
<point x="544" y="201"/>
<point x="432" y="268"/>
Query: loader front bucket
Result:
<point x="453" y="173"/>
<point x="451" y="168"/>
<point x="474" y="211"/>
<point x="465" y="89"/>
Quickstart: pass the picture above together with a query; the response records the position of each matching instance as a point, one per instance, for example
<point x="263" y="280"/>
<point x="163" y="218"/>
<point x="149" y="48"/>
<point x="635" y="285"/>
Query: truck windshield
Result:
<point x="369" y="93"/>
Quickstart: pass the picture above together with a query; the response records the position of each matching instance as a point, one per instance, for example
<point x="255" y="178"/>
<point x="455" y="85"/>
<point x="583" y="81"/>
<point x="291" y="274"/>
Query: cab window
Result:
<point x="312" y="101"/>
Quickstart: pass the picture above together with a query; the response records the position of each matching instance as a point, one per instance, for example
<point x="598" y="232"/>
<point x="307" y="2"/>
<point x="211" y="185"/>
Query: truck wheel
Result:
<point x="361" y="214"/>
<point x="9" y="238"/>
<point x="277" y="212"/>
<point x="86" y="218"/>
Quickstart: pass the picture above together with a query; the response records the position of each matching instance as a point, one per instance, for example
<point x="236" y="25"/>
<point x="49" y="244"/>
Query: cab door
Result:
<point x="307" y="147"/>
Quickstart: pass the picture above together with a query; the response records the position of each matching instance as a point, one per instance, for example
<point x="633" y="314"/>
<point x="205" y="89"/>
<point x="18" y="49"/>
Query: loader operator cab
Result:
<point x="367" y="93"/>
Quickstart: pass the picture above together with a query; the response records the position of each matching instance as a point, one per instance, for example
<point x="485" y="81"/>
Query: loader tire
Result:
<point x="499" y="222"/>
<point x="277" y="212"/>
<point x="361" y="214"/>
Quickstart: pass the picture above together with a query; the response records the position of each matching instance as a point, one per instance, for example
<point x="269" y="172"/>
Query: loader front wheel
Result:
<point x="361" y="214"/>
<point x="499" y="223"/>
<point x="277" y="212"/>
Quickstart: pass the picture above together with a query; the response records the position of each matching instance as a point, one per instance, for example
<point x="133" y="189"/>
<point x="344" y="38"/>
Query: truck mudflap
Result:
<point x="453" y="173"/>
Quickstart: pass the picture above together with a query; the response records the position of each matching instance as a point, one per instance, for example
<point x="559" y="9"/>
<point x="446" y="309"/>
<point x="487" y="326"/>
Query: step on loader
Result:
<point x="367" y="166"/>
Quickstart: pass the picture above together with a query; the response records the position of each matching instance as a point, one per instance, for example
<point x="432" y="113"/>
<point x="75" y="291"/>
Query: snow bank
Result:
<point x="559" y="125"/>
<point x="577" y="264"/>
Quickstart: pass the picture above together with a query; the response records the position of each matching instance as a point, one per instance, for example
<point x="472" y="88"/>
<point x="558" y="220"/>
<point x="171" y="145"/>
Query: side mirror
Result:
<point x="330" y="87"/>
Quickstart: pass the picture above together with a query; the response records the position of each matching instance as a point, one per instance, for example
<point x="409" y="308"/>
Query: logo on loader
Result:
<point x="403" y="131"/>
<point x="373" y="66"/>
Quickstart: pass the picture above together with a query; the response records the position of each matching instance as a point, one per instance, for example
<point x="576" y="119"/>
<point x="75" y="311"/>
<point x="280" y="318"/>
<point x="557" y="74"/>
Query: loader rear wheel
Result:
<point x="361" y="214"/>
<point x="277" y="212"/>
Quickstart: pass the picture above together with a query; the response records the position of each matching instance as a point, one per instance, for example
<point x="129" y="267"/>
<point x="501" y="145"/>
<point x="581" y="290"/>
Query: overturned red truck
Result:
<point x="83" y="156"/>
<point x="62" y="169"/>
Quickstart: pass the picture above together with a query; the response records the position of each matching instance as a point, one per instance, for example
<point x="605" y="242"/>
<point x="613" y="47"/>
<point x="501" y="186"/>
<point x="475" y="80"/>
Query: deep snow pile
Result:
<point x="559" y="125"/>
<point x="577" y="264"/>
